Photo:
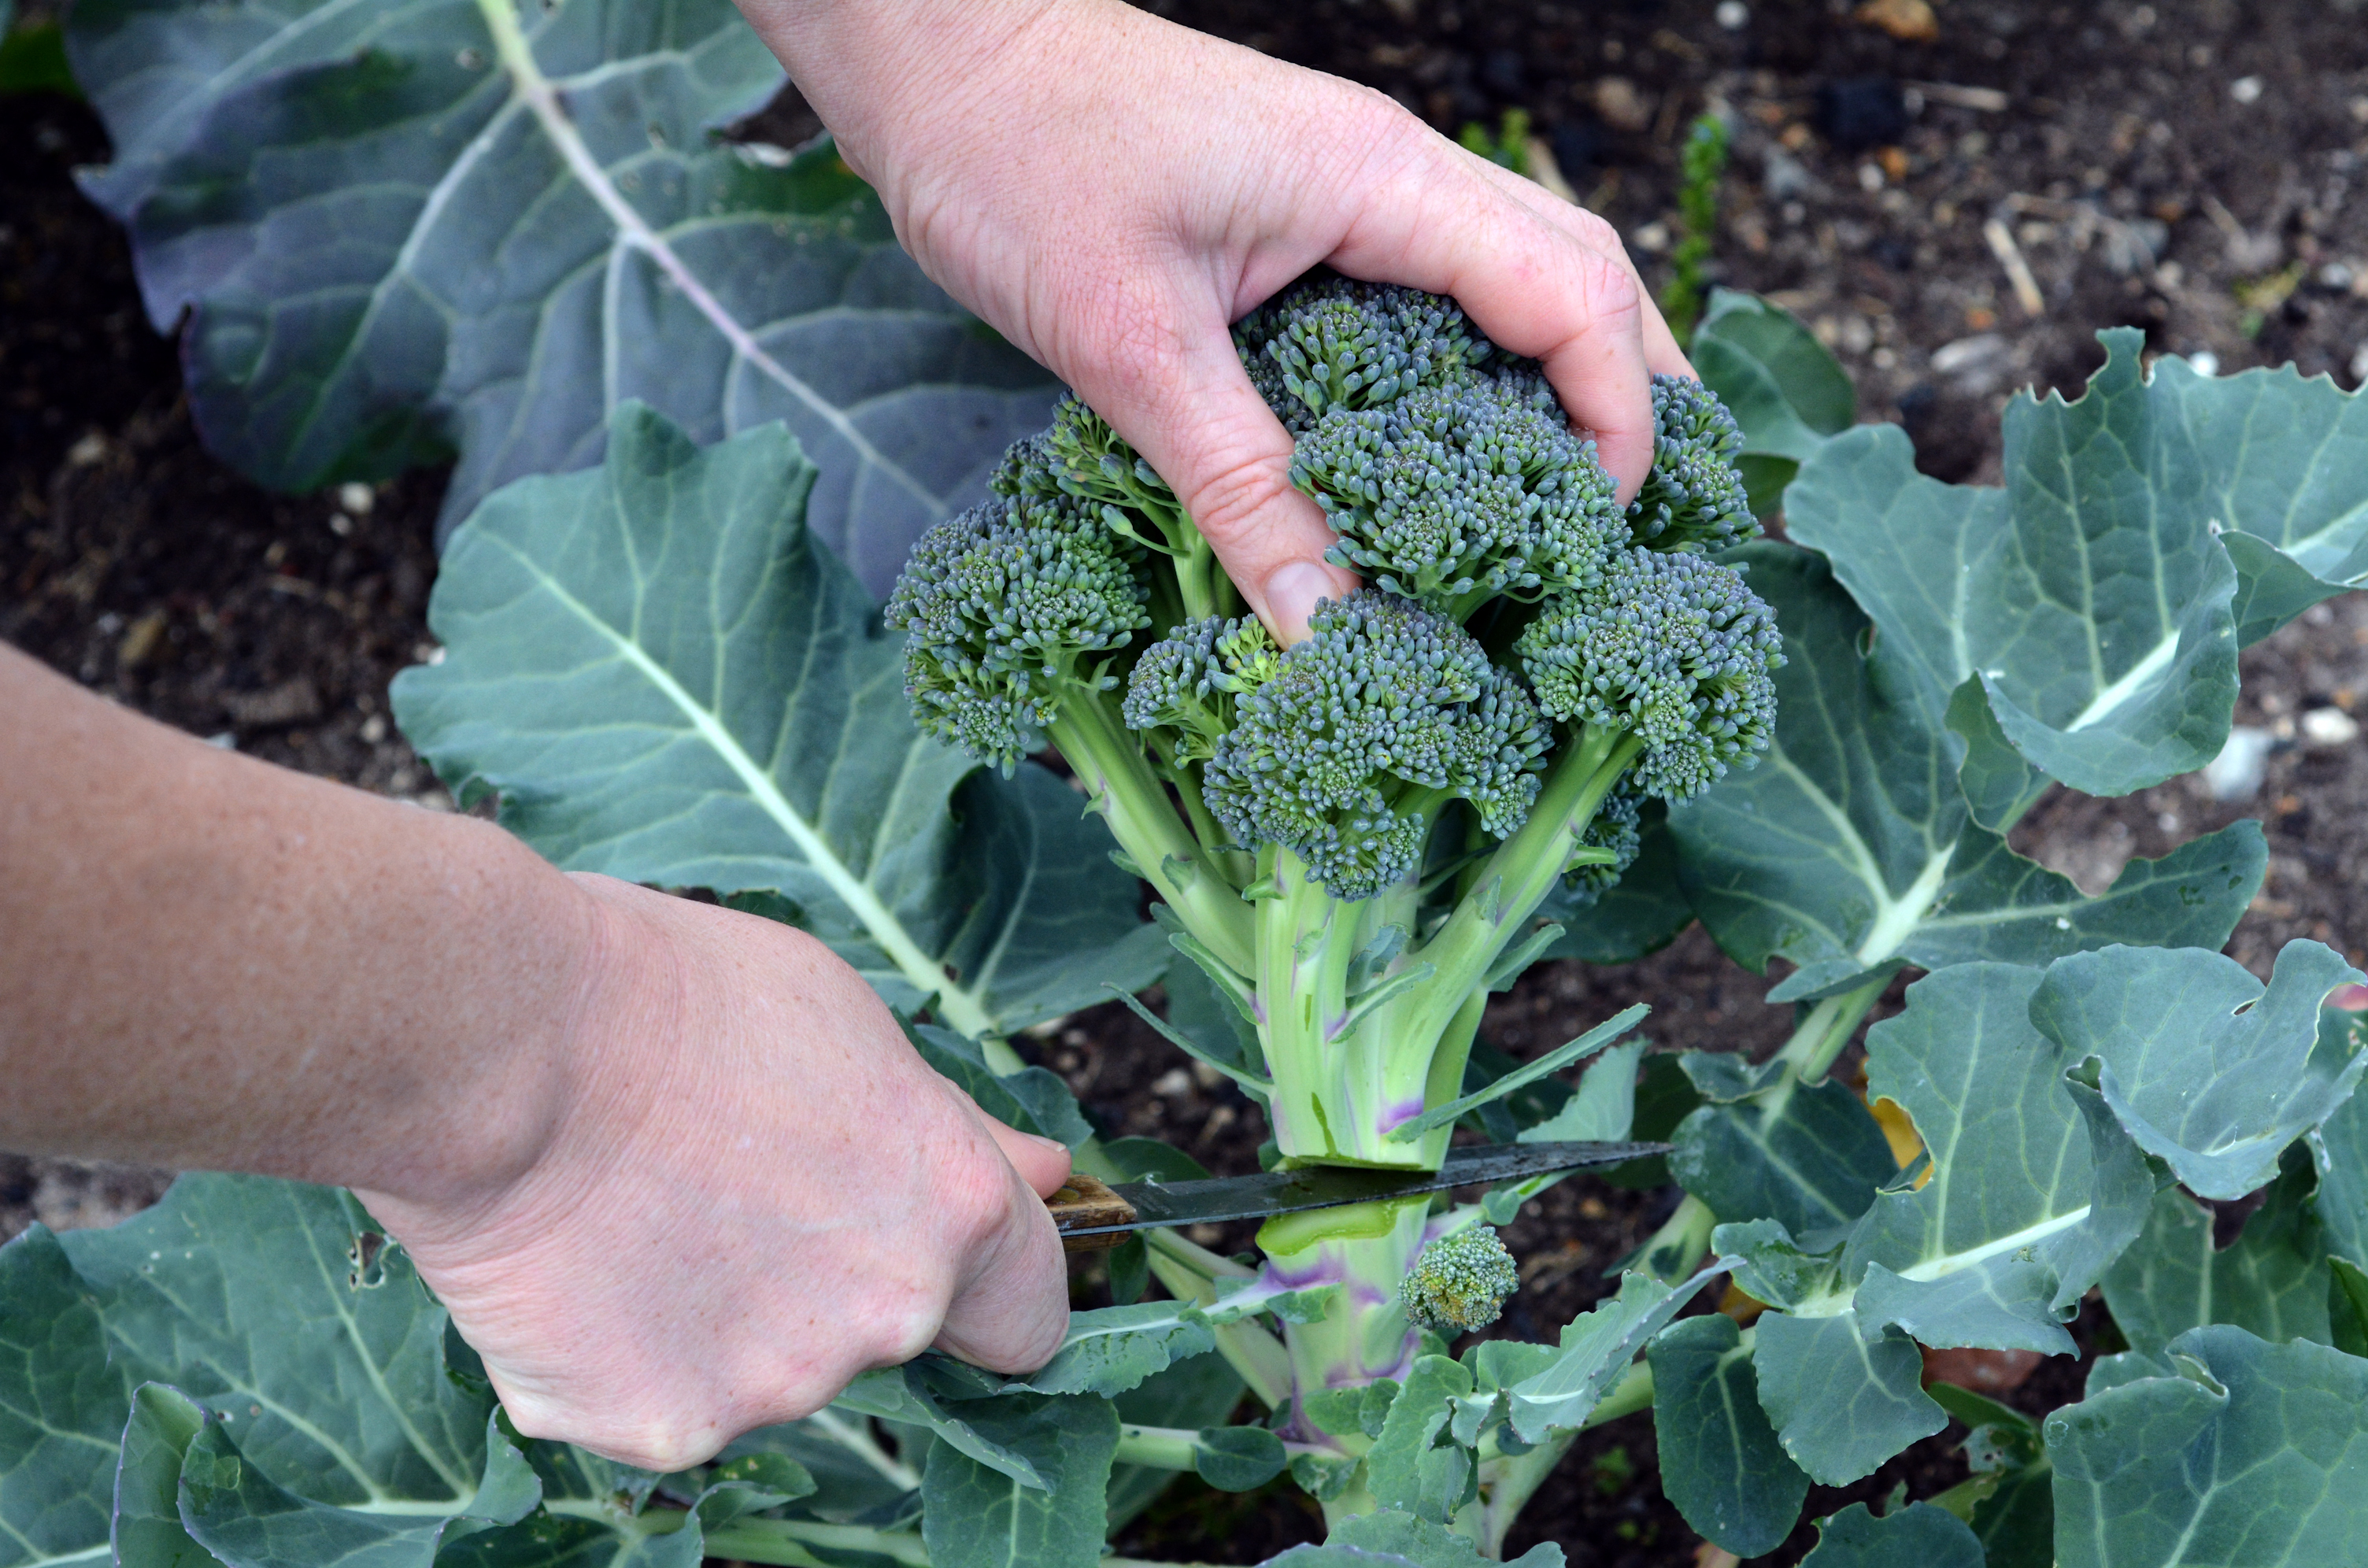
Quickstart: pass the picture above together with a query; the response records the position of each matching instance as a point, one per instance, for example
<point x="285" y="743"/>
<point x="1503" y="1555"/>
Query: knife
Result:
<point x="1092" y="1217"/>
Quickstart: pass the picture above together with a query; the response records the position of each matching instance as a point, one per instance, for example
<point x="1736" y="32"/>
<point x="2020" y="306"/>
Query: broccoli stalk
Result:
<point x="1353" y="835"/>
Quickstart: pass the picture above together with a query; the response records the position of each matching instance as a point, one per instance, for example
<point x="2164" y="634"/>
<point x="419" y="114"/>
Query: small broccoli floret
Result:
<point x="1182" y="692"/>
<point x="1004" y="608"/>
<point x="1475" y="488"/>
<point x="1460" y="1282"/>
<point x="1363" y="731"/>
<point x="1613" y="827"/>
<point x="1693" y="499"/>
<point x="1331" y="342"/>
<point x="1674" y="647"/>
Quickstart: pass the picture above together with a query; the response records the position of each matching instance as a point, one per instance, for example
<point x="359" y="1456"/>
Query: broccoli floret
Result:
<point x="1004" y="606"/>
<point x="1331" y="342"/>
<point x="1181" y="693"/>
<point x="1456" y="493"/>
<point x="1614" y="827"/>
<point x="1673" y="647"/>
<point x="1459" y="1281"/>
<point x="1693" y="499"/>
<point x="1364" y="731"/>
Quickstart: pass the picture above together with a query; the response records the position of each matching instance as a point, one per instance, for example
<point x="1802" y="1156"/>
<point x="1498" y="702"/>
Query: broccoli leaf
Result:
<point x="2211" y="1072"/>
<point x="148" y="1527"/>
<point x="977" y="1516"/>
<point x="409" y="228"/>
<point x="1806" y="1156"/>
<point x="2095" y="596"/>
<point x="1112" y="1349"/>
<point x="317" y="1367"/>
<point x="1389" y="1539"/>
<point x="1918" y="1533"/>
<point x="2271" y="1281"/>
<point x="2034" y="1187"/>
<point x="1783" y="388"/>
<point x="1843" y="1396"/>
<point x="1597" y="1347"/>
<point x="1721" y="1464"/>
<point x="1850" y="849"/>
<point x="2227" y="1451"/>
<point x="666" y="681"/>
<point x="2340" y="1203"/>
<point x="1416" y="1465"/>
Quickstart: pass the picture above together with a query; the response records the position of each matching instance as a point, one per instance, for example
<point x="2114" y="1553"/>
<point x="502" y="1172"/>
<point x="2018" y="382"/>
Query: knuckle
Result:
<point x="1232" y="501"/>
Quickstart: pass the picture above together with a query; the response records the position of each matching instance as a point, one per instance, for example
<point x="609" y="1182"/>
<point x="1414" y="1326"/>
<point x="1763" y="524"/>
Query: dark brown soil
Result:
<point x="2133" y="171"/>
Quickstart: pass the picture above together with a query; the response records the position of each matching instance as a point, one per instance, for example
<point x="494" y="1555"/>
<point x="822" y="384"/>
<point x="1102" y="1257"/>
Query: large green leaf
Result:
<point x="247" y="1296"/>
<point x="1850" y="849"/>
<point x="1596" y="1348"/>
<point x="1721" y="1464"/>
<point x="1786" y="390"/>
<point x="2271" y="1281"/>
<point x="1843" y="1396"/>
<point x="974" y="1517"/>
<point x="2034" y="1187"/>
<point x="2090" y="596"/>
<point x="2230" y="1453"/>
<point x="1389" y="1539"/>
<point x="425" y="226"/>
<point x="2341" y="1204"/>
<point x="1768" y="1146"/>
<point x="2209" y="1071"/>
<point x="1920" y="1534"/>
<point x="665" y="680"/>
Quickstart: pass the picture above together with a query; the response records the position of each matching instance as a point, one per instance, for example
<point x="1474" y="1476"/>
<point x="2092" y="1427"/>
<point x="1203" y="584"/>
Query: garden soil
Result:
<point x="1956" y="211"/>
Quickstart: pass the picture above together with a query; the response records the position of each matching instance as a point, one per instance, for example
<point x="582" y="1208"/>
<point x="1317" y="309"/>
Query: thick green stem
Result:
<point x="1364" y="1249"/>
<point x="1135" y="803"/>
<point x="1822" y="1036"/>
<point x="1672" y="1253"/>
<point x="1191" y="1273"/>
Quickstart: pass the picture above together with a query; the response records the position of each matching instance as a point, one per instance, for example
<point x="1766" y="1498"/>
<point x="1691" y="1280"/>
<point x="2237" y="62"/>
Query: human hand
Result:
<point x="749" y="1189"/>
<point x="1109" y="190"/>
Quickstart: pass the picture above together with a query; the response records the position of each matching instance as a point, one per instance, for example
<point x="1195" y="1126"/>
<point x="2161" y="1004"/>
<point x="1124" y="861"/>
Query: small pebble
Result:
<point x="357" y="499"/>
<point x="2359" y="363"/>
<point x="2203" y="362"/>
<point x="2329" y="727"/>
<point x="1732" y="15"/>
<point x="2246" y="89"/>
<point x="2236" y="773"/>
<point x="88" y="450"/>
<point x="1176" y="1081"/>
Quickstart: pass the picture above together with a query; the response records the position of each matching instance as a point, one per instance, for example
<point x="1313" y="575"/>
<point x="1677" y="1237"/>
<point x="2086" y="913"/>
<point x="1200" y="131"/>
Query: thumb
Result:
<point x="1189" y="409"/>
<point x="1043" y="1162"/>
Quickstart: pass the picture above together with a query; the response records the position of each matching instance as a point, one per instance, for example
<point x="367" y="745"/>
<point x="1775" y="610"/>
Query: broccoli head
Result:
<point x="1459" y="1281"/>
<point x="1362" y="731"/>
<point x="1470" y="489"/>
<point x="1007" y="606"/>
<point x="1615" y="827"/>
<point x="1673" y="647"/>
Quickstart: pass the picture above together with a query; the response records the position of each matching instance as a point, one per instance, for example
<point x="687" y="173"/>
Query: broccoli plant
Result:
<point x="1353" y="836"/>
<point x="1545" y="728"/>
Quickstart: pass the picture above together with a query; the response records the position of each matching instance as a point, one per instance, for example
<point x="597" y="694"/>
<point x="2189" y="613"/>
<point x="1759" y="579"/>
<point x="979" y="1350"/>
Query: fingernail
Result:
<point x="1054" y="1144"/>
<point x="1292" y="590"/>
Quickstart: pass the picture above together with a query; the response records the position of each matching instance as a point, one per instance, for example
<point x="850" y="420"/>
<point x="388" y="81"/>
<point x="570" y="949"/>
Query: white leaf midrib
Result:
<point x="962" y="1008"/>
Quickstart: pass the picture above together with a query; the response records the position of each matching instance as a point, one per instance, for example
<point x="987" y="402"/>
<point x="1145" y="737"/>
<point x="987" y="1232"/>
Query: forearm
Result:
<point x="213" y="962"/>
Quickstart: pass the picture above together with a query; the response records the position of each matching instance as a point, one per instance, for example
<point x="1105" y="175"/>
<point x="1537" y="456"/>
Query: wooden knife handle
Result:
<point x="1082" y="1204"/>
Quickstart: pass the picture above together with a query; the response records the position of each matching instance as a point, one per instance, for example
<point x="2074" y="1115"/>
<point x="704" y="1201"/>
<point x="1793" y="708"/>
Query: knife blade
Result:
<point x="1092" y="1216"/>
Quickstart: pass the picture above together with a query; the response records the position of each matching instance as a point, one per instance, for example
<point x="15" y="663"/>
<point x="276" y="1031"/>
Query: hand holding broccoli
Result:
<point x="1109" y="190"/>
